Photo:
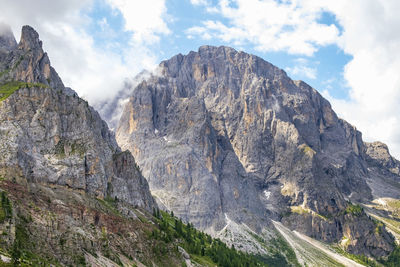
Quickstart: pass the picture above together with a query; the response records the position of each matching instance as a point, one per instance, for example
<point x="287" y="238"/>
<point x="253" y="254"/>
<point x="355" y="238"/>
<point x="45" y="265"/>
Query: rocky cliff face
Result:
<point x="224" y="136"/>
<point x="7" y="40"/>
<point x="49" y="135"/>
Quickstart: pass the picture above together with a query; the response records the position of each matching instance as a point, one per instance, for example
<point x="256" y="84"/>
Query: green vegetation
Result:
<point x="18" y="62"/>
<point x="362" y="259"/>
<point x="202" y="248"/>
<point x="283" y="247"/>
<point x="4" y="72"/>
<point x="378" y="228"/>
<point x="7" y="70"/>
<point x="59" y="148"/>
<point x="110" y="204"/>
<point x="78" y="149"/>
<point x="392" y="205"/>
<point x="307" y="150"/>
<point x="5" y="207"/>
<point x="355" y="210"/>
<point x="8" y="88"/>
<point x="279" y="248"/>
<point x="21" y="250"/>
<point x="300" y="210"/>
<point x="393" y="259"/>
<point x="73" y="147"/>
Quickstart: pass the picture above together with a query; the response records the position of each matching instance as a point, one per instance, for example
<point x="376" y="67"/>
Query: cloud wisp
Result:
<point x="96" y="72"/>
<point x="303" y="68"/>
<point x="290" y="26"/>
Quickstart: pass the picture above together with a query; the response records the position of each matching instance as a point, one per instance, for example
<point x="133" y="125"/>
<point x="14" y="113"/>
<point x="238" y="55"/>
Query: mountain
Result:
<point x="69" y="196"/>
<point x="226" y="141"/>
<point x="58" y="161"/>
<point x="50" y="135"/>
<point x="230" y="143"/>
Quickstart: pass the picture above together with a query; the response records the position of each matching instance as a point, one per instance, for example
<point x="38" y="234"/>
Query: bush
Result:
<point x="355" y="210"/>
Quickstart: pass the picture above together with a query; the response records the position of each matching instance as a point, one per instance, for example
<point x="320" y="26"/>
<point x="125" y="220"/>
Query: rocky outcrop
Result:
<point x="377" y="154"/>
<point x="384" y="171"/>
<point x="49" y="135"/>
<point x="28" y="62"/>
<point x="223" y="134"/>
<point x="7" y="40"/>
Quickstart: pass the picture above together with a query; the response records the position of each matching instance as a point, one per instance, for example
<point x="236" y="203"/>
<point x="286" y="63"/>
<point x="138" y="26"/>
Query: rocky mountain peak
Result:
<point x="57" y="138"/>
<point x="377" y="154"/>
<point x="27" y="62"/>
<point x="226" y="136"/>
<point x="7" y="39"/>
<point x="210" y="50"/>
<point x="29" y="39"/>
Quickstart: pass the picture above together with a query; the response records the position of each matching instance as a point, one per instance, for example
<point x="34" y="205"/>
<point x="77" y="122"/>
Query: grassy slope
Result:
<point x="8" y="88"/>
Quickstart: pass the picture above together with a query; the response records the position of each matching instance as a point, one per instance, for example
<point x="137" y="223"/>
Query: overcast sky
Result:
<point x="347" y="50"/>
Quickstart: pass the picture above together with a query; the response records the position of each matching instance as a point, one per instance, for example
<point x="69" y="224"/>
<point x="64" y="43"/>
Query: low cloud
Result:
<point x="145" y="19"/>
<point x="96" y="72"/>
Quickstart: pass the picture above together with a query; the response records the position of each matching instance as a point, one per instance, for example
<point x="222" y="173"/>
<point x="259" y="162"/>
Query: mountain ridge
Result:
<point x="224" y="132"/>
<point x="73" y="196"/>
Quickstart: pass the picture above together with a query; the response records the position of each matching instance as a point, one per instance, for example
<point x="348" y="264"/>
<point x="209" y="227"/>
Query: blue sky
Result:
<point x="347" y="50"/>
<point x="322" y="70"/>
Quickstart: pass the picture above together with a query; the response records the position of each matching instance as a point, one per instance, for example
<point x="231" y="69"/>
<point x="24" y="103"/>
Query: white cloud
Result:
<point x="146" y="19"/>
<point x="95" y="72"/>
<point x="371" y="36"/>
<point x="302" y="69"/>
<point x="198" y="31"/>
<point x="269" y="25"/>
<point x="199" y="2"/>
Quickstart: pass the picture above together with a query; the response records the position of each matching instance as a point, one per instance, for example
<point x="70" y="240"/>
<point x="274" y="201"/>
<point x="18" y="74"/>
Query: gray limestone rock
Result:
<point x="7" y="40"/>
<point x="51" y="136"/>
<point x="223" y="134"/>
<point x="28" y="62"/>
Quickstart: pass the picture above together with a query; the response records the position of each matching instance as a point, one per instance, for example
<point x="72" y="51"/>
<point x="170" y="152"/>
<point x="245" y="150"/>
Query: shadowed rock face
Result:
<point x="221" y="133"/>
<point x="49" y="135"/>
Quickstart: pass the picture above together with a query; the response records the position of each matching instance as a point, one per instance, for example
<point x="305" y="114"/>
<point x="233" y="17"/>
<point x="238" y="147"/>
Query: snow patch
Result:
<point x="267" y="194"/>
<point x="381" y="201"/>
<point x="5" y="259"/>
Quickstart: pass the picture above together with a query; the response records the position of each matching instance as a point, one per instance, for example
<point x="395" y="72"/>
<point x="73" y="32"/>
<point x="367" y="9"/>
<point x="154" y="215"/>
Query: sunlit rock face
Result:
<point x="223" y="134"/>
<point x="51" y="136"/>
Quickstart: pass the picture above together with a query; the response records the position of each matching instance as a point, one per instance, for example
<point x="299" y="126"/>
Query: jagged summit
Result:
<point x="56" y="137"/>
<point x="214" y="58"/>
<point x="29" y="39"/>
<point x="27" y="62"/>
